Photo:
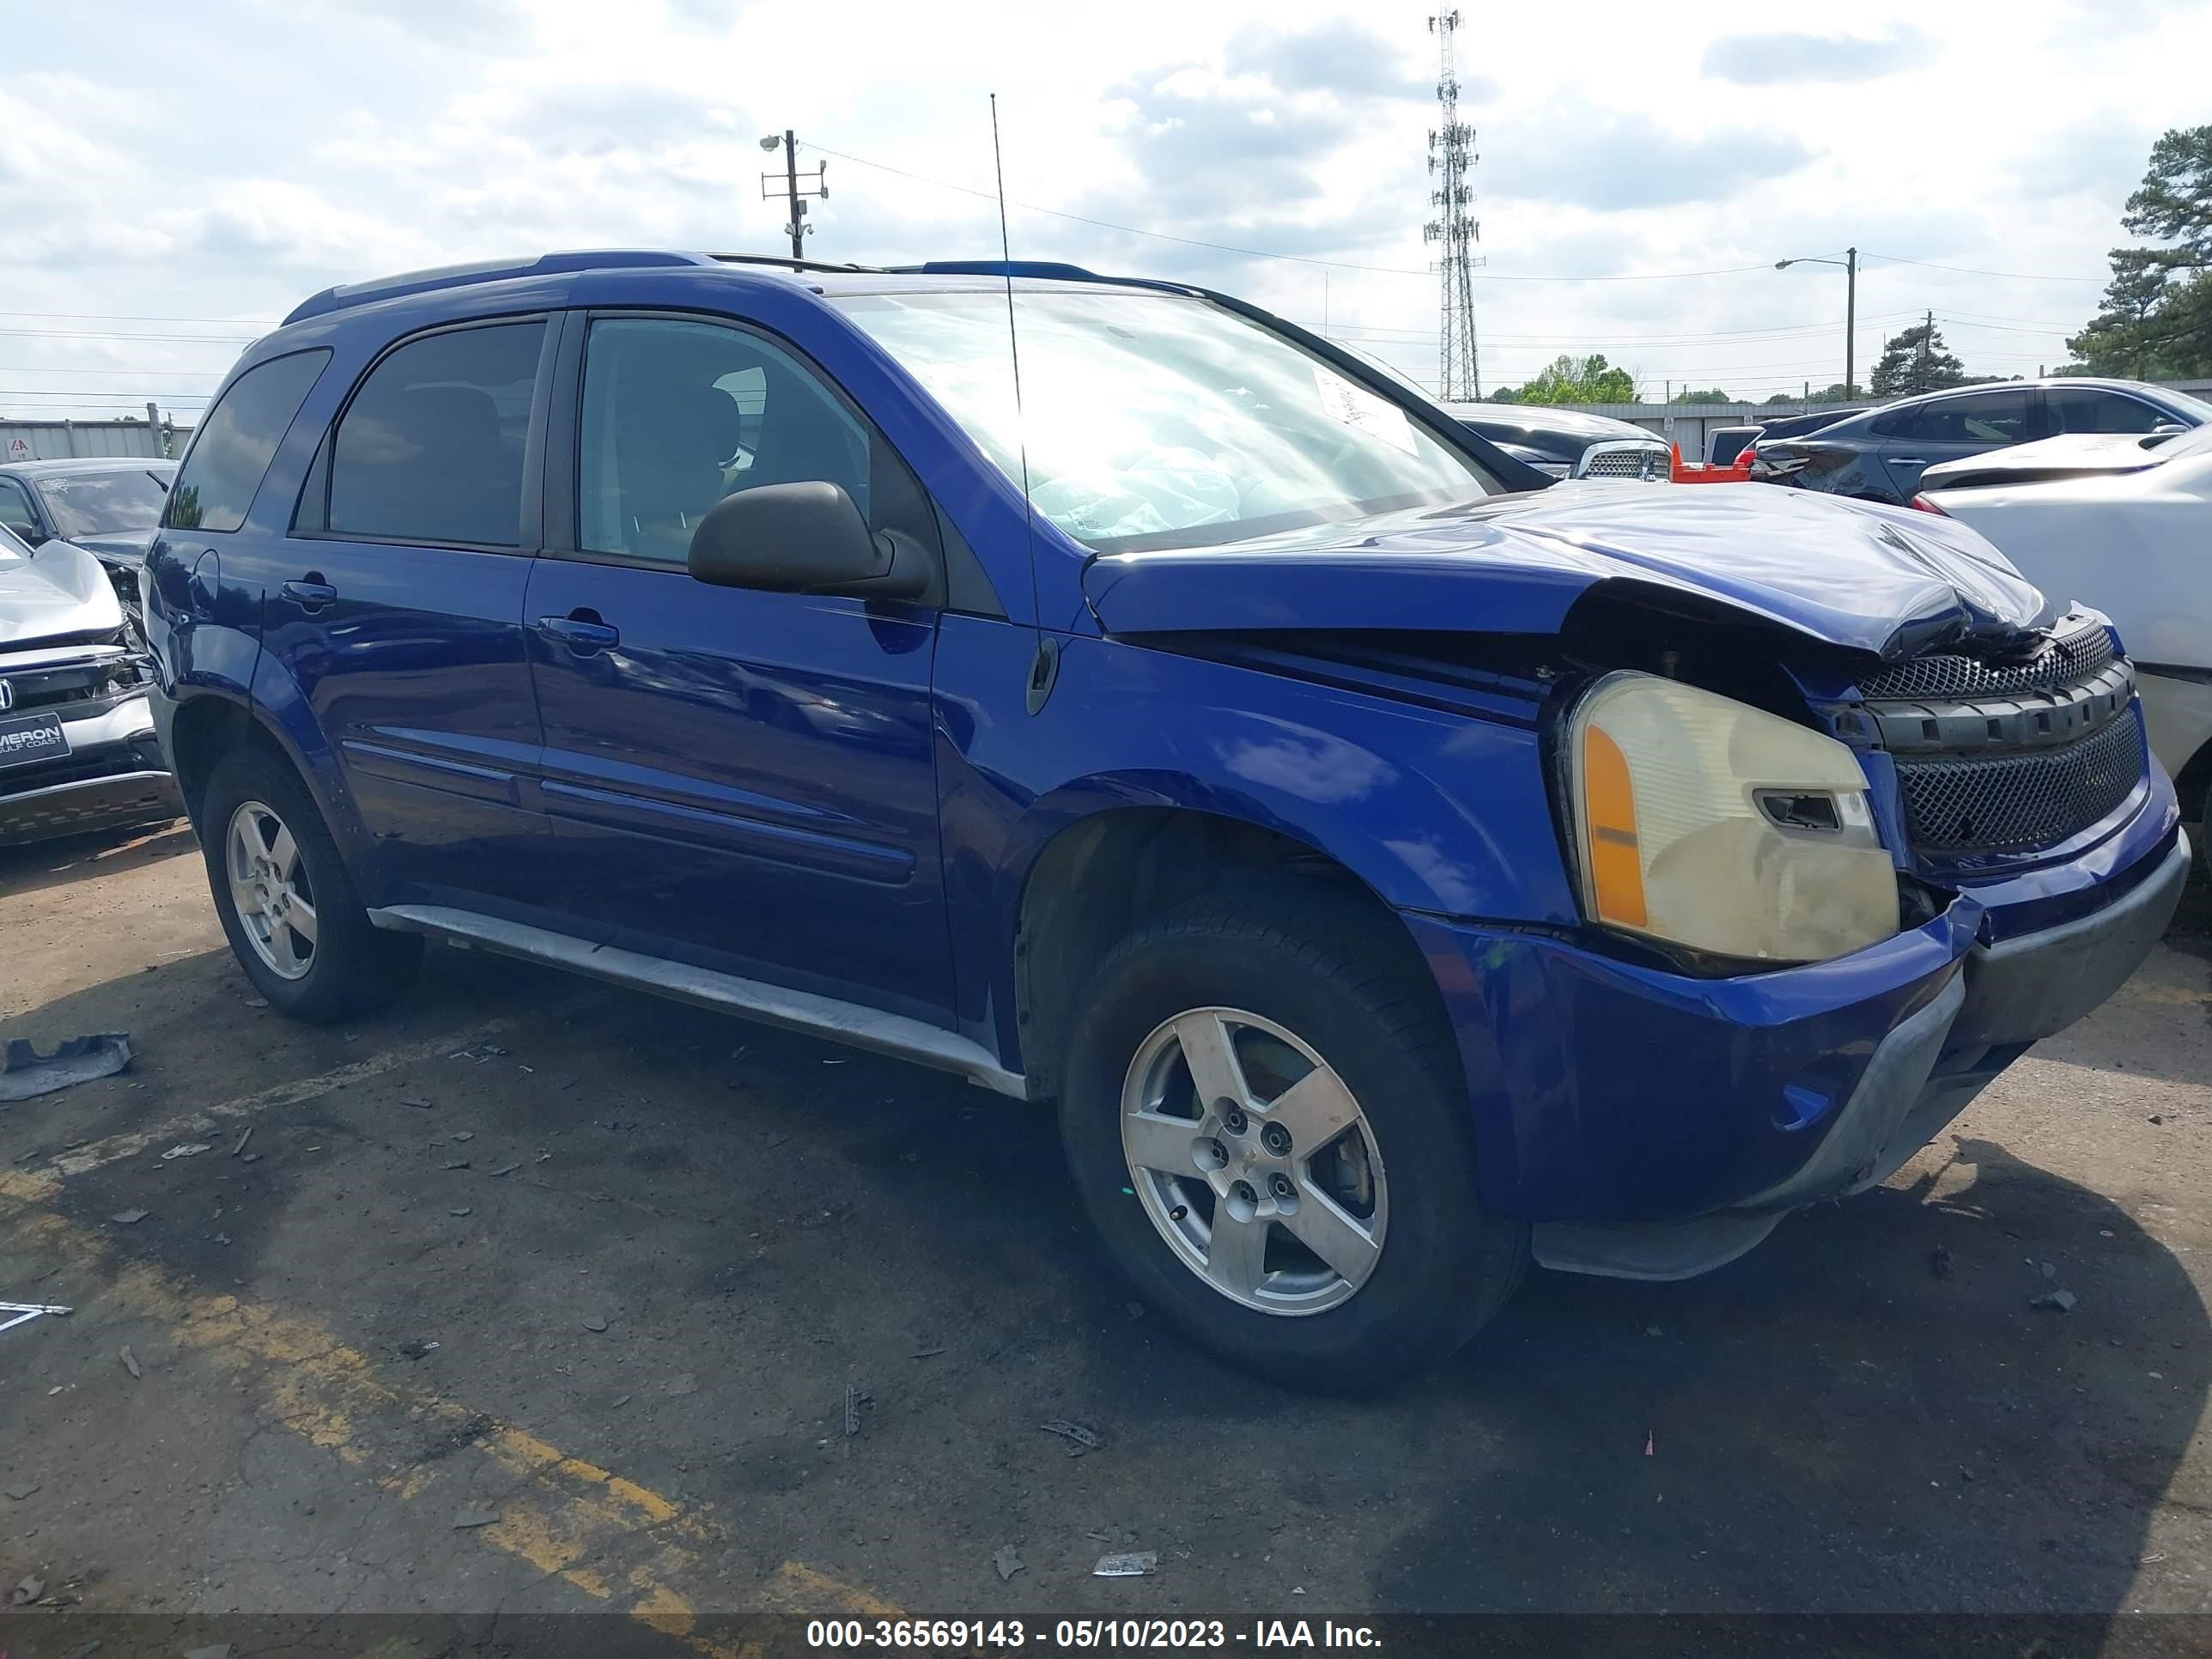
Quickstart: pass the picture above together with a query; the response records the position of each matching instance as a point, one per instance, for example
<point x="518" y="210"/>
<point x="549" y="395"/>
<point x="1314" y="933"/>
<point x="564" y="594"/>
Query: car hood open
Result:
<point x="60" y="592"/>
<point x="1873" y="578"/>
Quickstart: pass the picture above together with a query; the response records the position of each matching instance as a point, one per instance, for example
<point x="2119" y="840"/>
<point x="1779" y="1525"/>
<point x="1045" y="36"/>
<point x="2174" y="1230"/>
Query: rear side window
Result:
<point x="1981" y="417"/>
<point x="2088" y="408"/>
<point x="238" y="439"/>
<point x="430" y="449"/>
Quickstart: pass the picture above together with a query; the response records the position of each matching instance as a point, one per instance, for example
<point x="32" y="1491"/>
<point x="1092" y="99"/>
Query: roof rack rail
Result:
<point x="787" y="262"/>
<point x="483" y="271"/>
<point x="1040" y="267"/>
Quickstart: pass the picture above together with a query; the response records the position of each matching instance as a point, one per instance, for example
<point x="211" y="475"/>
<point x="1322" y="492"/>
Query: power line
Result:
<point x="1971" y="271"/>
<point x="1265" y="253"/>
<point x="109" y="317"/>
<point x="107" y="334"/>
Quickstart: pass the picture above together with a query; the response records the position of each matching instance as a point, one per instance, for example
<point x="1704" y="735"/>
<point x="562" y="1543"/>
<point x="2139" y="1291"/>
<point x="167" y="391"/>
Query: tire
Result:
<point x="336" y="966"/>
<point x="1326" y="981"/>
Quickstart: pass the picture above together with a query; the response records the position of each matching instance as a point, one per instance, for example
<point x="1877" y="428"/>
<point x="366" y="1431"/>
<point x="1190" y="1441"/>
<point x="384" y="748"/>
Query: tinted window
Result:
<point x="100" y="504"/>
<point x="430" y="448"/>
<point x="2086" y="409"/>
<point x="1982" y="417"/>
<point x="236" y="442"/>
<point x="15" y="508"/>
<point x="678" y="415"/>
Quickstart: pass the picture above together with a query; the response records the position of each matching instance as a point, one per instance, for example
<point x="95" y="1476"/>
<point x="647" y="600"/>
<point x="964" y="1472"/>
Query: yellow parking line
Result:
<point x="567" y="1517"/>
<point x="85" y="1159"/>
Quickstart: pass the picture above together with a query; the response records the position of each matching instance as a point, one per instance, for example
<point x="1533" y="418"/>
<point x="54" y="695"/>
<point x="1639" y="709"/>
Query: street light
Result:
<point x="1851" y="264"/>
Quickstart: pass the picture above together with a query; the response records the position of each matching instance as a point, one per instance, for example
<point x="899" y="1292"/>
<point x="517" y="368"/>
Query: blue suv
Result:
<point x="1398" y="868"/>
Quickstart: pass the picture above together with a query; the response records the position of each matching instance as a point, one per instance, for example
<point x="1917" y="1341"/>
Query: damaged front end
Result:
<point x="1852" y="819"/>
<point x="77" y="747"/>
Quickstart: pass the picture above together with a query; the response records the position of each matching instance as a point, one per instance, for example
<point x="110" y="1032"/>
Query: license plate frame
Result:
<point x="21" y="739"/>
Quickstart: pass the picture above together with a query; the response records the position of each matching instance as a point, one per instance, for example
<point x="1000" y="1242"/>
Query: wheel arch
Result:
<point x="1100" y="875"/>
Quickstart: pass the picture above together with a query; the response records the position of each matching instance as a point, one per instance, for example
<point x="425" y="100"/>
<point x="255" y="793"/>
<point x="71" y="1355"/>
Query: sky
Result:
<point x="174" y="178"/>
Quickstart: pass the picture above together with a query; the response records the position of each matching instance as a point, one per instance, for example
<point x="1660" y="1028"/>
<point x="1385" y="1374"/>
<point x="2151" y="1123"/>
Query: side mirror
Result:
<point x="2168" y="429"/>
<point x="803" y="538"/>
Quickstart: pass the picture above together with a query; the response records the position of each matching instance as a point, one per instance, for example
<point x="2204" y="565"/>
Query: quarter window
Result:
<point x="431" y="447"/>
<point x="678" y="415"/>
<point x="235" y="443"/>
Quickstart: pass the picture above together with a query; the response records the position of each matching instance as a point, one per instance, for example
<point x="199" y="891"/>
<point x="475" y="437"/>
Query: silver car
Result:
<point x="77" y="750"/>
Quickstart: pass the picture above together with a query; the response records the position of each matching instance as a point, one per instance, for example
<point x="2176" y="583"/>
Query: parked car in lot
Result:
<point x="2124" y="523"/>
<point x="1879" y="456"/>
<point x="107" y="506"/>
<point x="1725" y="443"/>
<point x="1797" y="426"/>
<point x="1565" y="443"/>
<point x="1393" y="877"/>
<point x="77" y="749"/>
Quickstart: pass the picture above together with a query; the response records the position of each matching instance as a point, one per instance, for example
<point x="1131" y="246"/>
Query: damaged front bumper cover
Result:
<point x="1999" y="999"/>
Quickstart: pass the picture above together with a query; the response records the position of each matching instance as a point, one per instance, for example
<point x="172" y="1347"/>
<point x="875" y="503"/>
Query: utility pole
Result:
<point x="1452" y="154"/>
<point x="1927" y="350"/>
<point x="787" y="188"/>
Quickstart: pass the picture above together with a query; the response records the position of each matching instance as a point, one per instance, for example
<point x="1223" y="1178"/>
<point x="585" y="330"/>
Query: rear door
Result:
<point x="745" y="781"/>
<point x="1946" y="428"/>
<point x="395" y="609"/>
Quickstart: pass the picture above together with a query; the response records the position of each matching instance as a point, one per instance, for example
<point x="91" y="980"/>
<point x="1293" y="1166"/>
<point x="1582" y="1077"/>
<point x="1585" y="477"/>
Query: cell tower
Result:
<point x="1451" y="160"/>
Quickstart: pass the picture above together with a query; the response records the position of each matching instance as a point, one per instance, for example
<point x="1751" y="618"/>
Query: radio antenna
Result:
<point x="1042" y="670"/>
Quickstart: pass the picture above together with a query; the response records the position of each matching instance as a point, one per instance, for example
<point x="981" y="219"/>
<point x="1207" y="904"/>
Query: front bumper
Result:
<point x="113" y="775"/>
<point x="1652" y="1126"/>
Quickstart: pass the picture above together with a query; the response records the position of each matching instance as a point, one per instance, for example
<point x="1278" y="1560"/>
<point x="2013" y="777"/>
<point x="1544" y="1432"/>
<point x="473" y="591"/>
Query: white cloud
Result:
<point x="316" y="142"/>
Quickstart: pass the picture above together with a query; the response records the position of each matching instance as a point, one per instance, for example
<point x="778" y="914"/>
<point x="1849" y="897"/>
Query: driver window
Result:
<point x="15" y="511"/>
<point x="678" y="414"/>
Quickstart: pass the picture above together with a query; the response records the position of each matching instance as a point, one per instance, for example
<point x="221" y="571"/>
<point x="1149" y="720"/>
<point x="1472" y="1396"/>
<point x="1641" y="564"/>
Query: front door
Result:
<point x="395" y="608"/>
<point x="745" y="781"/>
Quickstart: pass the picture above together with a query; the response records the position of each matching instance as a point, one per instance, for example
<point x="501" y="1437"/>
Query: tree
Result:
<point x="1781" y="397"/>
<point x="2156" y="318"/>
<point x="1505" y="394"/>
<point x="1836" y="394"/>
<point x="1715" y="396"/>
<point x="1571" y="379"/>
<point x="1915" y="361"/>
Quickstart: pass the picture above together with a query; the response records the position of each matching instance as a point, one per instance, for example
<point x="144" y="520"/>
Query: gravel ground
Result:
<point x="533" y="1296"/>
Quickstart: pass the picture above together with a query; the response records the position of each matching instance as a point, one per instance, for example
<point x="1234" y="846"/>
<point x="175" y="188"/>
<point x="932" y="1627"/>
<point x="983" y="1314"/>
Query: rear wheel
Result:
<point x="1269" y="1127"/>
<point x="288" y="903"/>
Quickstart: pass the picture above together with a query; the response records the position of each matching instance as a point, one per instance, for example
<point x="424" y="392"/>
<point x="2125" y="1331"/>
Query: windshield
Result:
<point x="2194" y="406"/>
<point x="1155" y="421"/>
<point x="101" y="503"/>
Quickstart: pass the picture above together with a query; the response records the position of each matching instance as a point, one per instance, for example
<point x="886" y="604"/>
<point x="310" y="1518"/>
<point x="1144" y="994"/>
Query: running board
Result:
<point x="797" y="1011"/>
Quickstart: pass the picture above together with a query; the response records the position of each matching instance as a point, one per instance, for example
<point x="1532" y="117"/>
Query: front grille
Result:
<point x="2005" y="803"/>
<point x="2074" y="653"/>
<point x="1649" y="462"/>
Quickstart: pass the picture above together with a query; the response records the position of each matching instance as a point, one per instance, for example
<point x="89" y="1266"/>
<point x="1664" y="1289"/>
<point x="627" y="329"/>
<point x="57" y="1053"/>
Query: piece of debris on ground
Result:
<point x="24" y="1073"/>
<point x="1082" y="1440"/>
<point x="1126" y="1565"/>
<point x="1008" y="1560"/>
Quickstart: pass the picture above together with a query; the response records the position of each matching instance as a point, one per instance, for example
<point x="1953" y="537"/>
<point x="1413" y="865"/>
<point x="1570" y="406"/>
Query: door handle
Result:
<point x="584" y="635"/>
<point x="1907" y="460"/>
<point x="312" y="593"/>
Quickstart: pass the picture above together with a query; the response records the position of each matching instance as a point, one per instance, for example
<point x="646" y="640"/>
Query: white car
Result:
<point x="2123" y="524"/>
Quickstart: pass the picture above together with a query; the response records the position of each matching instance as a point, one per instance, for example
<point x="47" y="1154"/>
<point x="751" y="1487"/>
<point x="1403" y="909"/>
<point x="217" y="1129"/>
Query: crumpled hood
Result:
<point x="1880" y="579"/>
<point x="59" y="592"/>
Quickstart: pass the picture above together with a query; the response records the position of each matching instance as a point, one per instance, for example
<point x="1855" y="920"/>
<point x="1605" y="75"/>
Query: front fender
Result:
<point x="1434" y="811"/>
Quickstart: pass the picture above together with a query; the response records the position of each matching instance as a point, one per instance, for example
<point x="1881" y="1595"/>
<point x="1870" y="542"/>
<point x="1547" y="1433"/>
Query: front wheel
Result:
<point x="1268" y="1124"/>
